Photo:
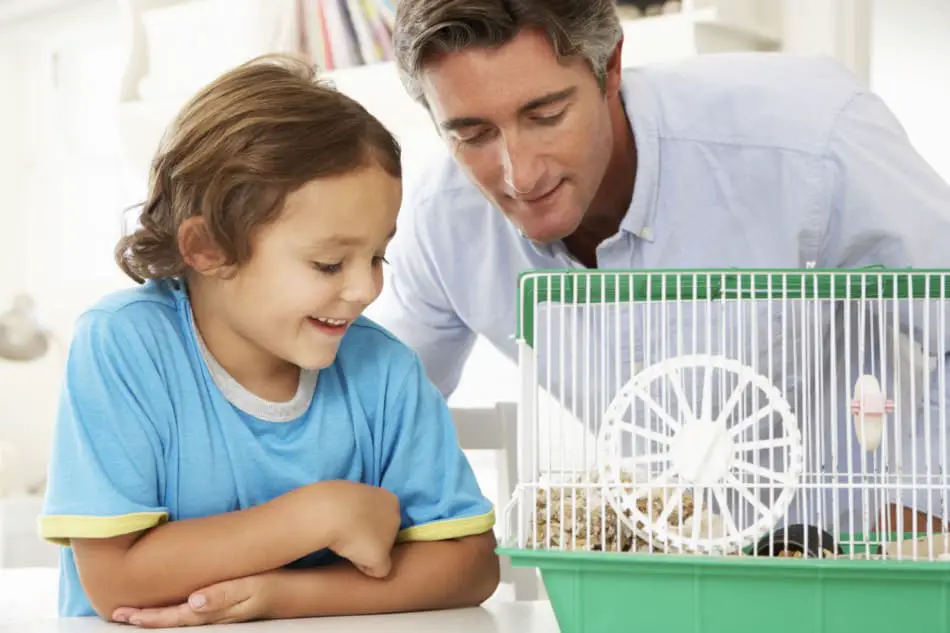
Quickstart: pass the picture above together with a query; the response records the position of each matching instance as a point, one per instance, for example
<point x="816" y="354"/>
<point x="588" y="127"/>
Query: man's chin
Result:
<point x="544" y="239"/>
<point x="547" y="235"/>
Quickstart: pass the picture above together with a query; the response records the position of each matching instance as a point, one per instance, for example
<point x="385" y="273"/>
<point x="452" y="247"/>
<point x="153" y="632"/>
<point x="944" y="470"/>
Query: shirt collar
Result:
<point x="640" y="107"/>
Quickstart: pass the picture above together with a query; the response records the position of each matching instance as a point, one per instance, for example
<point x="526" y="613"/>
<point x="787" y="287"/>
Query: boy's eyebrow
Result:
<point x="458" y="123"/>
<point x="343" y="240"/>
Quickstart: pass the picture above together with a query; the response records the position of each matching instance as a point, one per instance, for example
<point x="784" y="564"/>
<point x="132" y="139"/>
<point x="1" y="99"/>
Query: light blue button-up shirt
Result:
<point x="748" y="160"/>
<point x="744" y="160"/>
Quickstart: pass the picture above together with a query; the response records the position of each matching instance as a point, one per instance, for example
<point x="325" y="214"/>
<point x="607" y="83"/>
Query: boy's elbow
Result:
<point x="104" y="608"/>
<point x="107" y="578"/>
<point x="488" y="580"/>
<point x="106" y="594"/>
<point x="486" y="570"/>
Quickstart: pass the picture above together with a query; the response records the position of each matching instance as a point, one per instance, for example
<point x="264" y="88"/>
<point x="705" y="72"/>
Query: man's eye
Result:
<point x="550" y="119"/>
<point x="474" y="139"/>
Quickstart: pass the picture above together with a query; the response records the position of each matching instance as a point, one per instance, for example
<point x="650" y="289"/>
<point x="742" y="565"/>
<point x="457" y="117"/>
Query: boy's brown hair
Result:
<point x="237" y="149"/>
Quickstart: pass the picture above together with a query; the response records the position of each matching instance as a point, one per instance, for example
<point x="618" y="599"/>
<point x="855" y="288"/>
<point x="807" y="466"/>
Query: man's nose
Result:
<point x="522" y="167"/>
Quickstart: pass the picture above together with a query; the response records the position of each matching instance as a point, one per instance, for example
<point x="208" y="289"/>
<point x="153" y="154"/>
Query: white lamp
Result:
<point x="22" y="337"/>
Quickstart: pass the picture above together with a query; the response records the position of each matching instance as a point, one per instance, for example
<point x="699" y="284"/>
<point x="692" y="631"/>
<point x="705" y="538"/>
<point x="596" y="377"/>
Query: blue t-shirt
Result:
<point x="151" y="429"/>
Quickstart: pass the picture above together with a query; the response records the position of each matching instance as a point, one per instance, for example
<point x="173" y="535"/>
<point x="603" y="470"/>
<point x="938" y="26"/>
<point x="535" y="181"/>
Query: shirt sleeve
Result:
<point x="415" y="306"/>
<point x="424" y="466"/>
<point x="104" y="475"/>
<point x="890" y="208"/>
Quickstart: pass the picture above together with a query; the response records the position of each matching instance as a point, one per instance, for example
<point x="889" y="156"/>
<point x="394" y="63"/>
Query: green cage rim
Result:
<point x="582" y="287"/>
<point x="556" y="558"/>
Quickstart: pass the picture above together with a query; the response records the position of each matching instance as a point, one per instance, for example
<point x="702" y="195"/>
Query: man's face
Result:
<point x="532" y="133"/>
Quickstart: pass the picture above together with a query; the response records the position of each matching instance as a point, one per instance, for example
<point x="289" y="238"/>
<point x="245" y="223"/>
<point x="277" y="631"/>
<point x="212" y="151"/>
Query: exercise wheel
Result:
<point x="700" y="451"/>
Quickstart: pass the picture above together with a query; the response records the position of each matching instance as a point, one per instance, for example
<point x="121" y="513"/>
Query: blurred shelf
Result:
<point x="17" y="10"/>
<point x="170" y="55"/>
<point x="700" y="28"/>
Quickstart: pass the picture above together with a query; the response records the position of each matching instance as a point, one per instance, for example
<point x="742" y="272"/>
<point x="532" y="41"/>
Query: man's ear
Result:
<point x="199" y="250"/>
<point x="614" y="70"/>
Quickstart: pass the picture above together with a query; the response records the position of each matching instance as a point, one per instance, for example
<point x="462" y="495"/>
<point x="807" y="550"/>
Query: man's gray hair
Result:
<point x="589" y="29"/>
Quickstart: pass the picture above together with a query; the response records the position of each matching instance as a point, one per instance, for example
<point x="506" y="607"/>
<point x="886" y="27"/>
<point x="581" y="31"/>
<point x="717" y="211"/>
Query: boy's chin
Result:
<point x="317" y="359"/>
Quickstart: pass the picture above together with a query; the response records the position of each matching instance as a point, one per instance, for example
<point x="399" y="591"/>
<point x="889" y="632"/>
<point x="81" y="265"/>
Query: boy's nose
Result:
<point x="361" y="288"/>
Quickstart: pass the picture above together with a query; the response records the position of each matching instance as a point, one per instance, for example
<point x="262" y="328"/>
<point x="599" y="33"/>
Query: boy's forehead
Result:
<point x="317" y="235"/>
<point x="341" y="211"/>
<point x="348" y="238"/>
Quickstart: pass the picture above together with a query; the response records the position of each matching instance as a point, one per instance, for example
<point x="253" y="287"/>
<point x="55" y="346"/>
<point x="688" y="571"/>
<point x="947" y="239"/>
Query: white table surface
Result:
<point x="28" y="605"/>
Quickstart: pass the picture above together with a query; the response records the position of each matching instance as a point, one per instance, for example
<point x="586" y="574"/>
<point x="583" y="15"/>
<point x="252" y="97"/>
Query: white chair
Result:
<point x="495" y="429"/>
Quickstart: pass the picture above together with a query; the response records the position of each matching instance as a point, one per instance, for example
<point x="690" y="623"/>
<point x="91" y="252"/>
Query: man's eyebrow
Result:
<point x="548" y="99"/>
<point x="458" y="123"/>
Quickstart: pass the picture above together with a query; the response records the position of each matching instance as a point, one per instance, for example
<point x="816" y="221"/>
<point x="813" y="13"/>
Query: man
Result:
<point x="562" y="160"/>
<point x="568" y="161"/>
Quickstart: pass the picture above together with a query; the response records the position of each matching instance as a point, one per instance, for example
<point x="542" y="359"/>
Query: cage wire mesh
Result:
<point x="740" y="413"/>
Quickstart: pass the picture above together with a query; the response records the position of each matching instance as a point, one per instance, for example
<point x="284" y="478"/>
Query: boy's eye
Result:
<point x="331" y="269"/>
<point x="328" y="268"/>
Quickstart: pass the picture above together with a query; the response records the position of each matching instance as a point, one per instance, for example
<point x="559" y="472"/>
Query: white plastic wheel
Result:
<point x="699" y="452"/>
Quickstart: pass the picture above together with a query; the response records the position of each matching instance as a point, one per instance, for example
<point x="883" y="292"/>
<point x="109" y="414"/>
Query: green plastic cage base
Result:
<point x="603" y="592"/>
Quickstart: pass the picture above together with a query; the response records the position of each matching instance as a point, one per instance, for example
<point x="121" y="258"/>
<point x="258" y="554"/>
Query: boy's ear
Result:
<point x="199" y="250"/>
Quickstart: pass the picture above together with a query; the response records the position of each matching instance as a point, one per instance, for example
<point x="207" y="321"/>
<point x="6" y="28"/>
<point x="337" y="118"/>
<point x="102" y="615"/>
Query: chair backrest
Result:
<point x="496" y="429"/>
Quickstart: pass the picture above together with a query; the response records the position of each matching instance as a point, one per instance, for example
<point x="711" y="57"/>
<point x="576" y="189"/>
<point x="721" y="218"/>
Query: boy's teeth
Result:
<point x="331" y="322"/>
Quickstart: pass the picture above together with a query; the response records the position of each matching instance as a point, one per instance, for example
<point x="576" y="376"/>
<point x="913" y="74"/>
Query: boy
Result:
<point x="235" y="416"/>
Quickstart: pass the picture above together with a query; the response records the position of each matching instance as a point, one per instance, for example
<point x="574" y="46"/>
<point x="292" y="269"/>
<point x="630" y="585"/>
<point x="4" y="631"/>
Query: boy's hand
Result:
<point x="239" y="600"/>
<point x="367" y="521"/>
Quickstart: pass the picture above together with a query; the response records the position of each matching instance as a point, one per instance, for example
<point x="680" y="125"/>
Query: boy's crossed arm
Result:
<point x="165" y="564"/>
<point x="425" y="576"/>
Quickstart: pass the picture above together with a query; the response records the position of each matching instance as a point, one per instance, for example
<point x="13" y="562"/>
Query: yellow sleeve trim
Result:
<point x="60" y="529"/>
<point x="448" y="529"/>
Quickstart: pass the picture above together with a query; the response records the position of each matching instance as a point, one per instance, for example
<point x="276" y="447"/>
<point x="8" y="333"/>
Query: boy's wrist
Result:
<point x="292" y="593"/>
<point x="324" y="504"/>
<point x="273" y="592"/>
<point x="332" y="504"/>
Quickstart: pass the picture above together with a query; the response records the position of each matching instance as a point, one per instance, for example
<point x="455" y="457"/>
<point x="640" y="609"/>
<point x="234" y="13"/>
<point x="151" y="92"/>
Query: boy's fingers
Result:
<point x="162" y="617"/>
<point x="122" y="614"/>
<point x="221" y="596"/>
<point x="213" y="604"/>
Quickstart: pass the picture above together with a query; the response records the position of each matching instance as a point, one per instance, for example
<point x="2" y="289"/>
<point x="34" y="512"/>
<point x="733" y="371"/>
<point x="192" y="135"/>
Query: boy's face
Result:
<point x="315" y="269"/>
<point x="533" y="133"/>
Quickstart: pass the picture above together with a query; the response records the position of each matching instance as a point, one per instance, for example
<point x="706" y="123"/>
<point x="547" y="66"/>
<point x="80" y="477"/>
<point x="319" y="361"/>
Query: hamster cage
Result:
<point x="734" y="450"/>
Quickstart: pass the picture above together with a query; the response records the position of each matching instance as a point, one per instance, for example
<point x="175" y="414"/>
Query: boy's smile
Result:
<point x="333" y="327"/>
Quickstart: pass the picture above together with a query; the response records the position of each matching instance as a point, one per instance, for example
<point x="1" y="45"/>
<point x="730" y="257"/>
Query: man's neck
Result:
<point x="612" y="199"/>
